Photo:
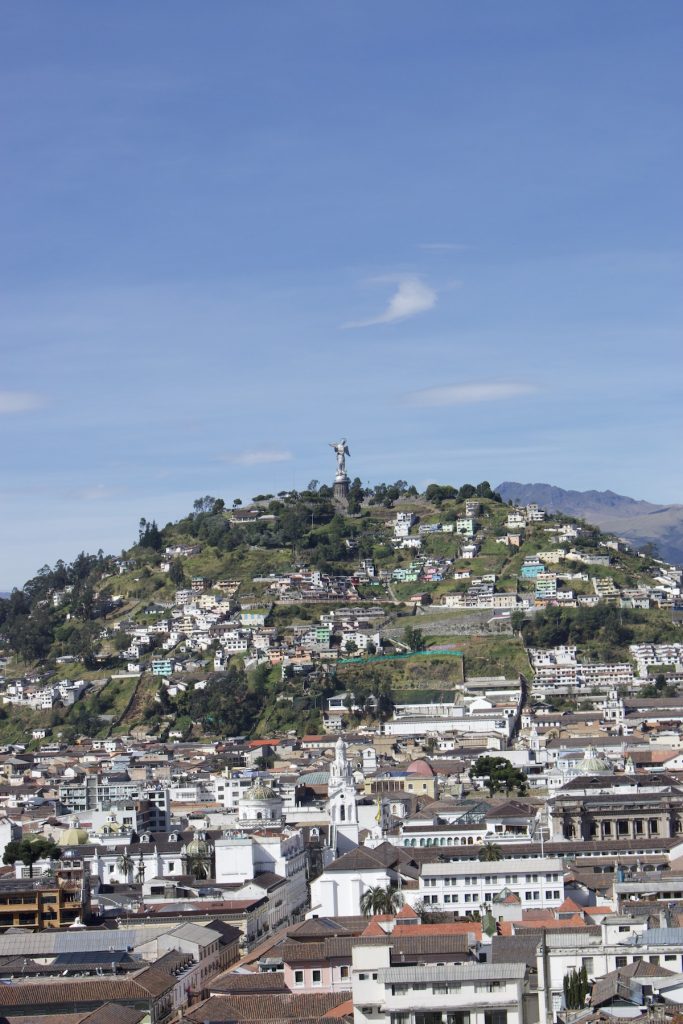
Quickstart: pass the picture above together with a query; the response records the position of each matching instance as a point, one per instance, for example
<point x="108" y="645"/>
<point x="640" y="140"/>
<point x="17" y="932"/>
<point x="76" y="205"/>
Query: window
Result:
<point x="317" y="976"/>
<point x="622" y="827"/>
<point x="298" y="977"/>
<point x="343" y="971"/>
<point x="400" y="1018"/>
<point x="460" y="1017"/>
<point x="620" y="961"/>
<point x="654" y="826"/>
<point x="587" y="962"/>
<point x="487" y="986"/>
<point x="669" y="957"/>
<point x="639" y="826"/>
<point x="496" y="1017"/>
<point x="362" y="977"/>
<point x="440" y="988"/>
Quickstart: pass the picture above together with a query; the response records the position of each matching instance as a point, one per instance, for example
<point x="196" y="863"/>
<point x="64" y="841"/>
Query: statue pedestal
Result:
<point x="340" y="490"/>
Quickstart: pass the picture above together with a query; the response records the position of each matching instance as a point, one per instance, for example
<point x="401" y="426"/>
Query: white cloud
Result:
<point x="412" y="296"/>
<point x="464" y="394"/>
<point x="258" y="457"/>
<point x="18" y="401"/>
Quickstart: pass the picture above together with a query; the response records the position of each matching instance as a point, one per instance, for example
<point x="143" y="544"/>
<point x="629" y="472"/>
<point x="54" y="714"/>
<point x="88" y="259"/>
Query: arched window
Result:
<point x="342" y="813"/>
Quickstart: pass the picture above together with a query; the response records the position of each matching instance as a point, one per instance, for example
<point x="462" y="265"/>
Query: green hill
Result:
<point x="73" y="621"/>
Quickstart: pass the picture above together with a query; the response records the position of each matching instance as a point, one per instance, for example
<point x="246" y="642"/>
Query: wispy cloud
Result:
<point x="465" y="394"/>
<point x="98" y="492"/>
<point x="442" y="247"/>
<point x="18" y="401"/>
<point x="257" y="457"/>
<point x="412" y="296"/>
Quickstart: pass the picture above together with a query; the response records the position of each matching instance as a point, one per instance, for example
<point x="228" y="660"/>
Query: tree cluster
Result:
<point x="28" y="621"/>
<point x="438" y="493"/>
<point x="576" y="987"/>
<point x="227" y="705"/>
<point x="499" y="775"/>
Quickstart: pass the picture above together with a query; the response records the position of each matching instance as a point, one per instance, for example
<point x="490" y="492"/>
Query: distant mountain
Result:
<point x="640" y="522"/>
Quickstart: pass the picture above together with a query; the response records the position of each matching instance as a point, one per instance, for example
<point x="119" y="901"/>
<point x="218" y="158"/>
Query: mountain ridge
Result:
<point x="636" y="520"/>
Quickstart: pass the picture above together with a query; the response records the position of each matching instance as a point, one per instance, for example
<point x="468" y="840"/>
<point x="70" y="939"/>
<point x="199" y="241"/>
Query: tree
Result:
<point x="176" y="573"/>
<point x="125" y="865"/>
<point x="498" y="774"/>
<point x="149" y="535"/>
<point x="490" y="852"/>
<point x="31" y="850"/>
<point x="379" y="899"/>
<point x="517" y="621"/>
<point x="414" y="639"/>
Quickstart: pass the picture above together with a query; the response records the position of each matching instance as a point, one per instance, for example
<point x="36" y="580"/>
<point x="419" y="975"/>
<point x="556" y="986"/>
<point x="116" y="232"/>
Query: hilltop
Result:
<point x="641" y="522"/>
<point x="246" y="620"/>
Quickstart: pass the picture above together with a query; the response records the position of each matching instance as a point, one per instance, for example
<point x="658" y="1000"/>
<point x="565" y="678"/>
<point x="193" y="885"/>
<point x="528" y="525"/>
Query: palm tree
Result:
<point x="380" y="900"/>
<point x="490" y="851"/>
<point x="198" y="865"/>
<point x="125" y="865"/>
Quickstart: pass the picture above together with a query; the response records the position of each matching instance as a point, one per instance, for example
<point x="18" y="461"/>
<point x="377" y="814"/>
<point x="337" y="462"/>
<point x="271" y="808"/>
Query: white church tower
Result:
<point x="341" y="792"/>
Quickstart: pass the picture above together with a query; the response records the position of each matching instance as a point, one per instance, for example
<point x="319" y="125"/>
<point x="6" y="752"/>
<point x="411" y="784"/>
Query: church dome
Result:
<point x="259" y="791"/>
<point x="594" y="763"/>
<point x="74" y="836"/>
<point x="198" y="846"/>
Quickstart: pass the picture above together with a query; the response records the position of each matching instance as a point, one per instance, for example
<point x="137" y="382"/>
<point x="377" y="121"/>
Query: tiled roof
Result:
<point x="251" y="982"/>
<point x="286" y="1006"/>
<point x="143" y="985"/>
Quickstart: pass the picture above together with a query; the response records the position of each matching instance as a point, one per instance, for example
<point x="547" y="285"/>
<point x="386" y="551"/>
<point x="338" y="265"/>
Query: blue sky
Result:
<point x="234" y="232"/>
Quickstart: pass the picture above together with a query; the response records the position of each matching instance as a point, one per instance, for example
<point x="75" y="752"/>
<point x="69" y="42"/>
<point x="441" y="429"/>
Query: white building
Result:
<point x="465" y="993"/>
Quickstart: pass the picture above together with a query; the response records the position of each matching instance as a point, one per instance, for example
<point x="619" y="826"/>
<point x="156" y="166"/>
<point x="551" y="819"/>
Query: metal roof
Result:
<point x="198" y="933"/>
<point x="453" y="972"/>
<point x="660" y="937"/>
<point x="77" y="941"/>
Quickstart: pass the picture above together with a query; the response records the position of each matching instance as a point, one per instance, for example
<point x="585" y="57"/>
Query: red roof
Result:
<point x="343" y="1010"/>
<point x="405" y="912"/>
<point x="374" y="928"/>
<point x="569" y="906"/>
